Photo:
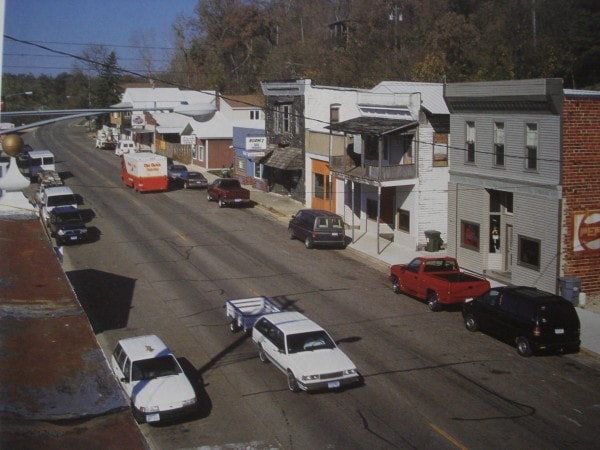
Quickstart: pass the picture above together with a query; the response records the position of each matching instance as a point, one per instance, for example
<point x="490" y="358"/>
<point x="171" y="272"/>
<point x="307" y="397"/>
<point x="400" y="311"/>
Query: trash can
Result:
<point x="569" y="288"/>
<point x="434" y="240"/>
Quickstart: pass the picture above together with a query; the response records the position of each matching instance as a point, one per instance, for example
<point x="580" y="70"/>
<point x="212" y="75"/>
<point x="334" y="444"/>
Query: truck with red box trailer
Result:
<point x="144" y="171"/>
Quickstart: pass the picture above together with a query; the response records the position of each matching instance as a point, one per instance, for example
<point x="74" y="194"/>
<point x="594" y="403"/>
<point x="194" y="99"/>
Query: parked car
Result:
<point x="316" y="227"/>
<point x="194" y="180"/>
<point x="303" y="351"/>
<point x="439" y="281"/>
<point x="153" y="379"/>
<point x="227" y="191"/>
<point x="533" y="320"/>
<point x="125" y="146"/>
<point x="49" y="198"/>
<point x="176" y="171"/>
<point x="66" y="225"/>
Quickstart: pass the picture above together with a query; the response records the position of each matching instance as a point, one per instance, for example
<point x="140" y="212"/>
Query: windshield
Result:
<point x="314" y="340"/>
<point x="68" y="217"/>
<point x="148" y="369"/>
<point x="60" y="200"/>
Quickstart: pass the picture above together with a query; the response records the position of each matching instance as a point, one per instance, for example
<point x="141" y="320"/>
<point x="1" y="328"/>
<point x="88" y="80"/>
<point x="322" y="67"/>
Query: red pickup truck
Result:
<point x="227" y="191"/>
<point x="438" y="281"/>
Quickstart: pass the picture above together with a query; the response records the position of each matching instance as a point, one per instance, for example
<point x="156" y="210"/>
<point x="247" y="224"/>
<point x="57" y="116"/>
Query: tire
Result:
<point x="524" y="347"/>
<point x="291" y="234"/>
<point x="308" y="242"/>
<point x="396" y="287"/>
<point x="432" y="302"/>
<point x="221" y="203"/>
<point x="292" y="382"/>
<point x="186" y="185"/>
<point x="233" y="327"/>
<point x="471" y="323"/>
<point x="262" y="356"/>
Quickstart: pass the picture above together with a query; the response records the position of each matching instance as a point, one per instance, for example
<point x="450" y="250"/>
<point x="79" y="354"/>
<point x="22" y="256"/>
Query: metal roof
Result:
<point x="285" y="158"/>
<point x="377" y="126"/>
<point x="432" y="94"/>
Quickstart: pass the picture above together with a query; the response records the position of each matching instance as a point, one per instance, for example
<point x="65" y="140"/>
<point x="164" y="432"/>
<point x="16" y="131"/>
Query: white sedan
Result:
<point x="304" y="352"/>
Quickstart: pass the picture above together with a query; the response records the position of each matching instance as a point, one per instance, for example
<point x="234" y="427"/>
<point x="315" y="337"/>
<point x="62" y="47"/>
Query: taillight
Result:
<point x="537" y="331"/>
<point x="314" y="233"/>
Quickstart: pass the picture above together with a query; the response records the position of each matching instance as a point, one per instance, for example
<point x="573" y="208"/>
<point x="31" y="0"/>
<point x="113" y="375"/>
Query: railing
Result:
<point x="373" y="172"/>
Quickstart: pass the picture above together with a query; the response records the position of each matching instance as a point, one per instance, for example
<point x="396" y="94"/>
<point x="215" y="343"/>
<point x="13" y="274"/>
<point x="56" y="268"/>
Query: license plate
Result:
<point x="334" y="234"/>
<point x="238" y="200"/>
<point x="559" y="331"/>
<point x="333" y="384"/>
<point x="152" y="417"/>
<point x="73" y="238"/>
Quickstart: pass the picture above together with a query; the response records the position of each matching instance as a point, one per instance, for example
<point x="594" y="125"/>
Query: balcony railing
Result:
<point x="345" y="166"/>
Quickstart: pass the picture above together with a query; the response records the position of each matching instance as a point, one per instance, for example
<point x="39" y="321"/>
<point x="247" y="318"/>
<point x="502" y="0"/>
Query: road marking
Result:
<point x="181" y="235"/>
<point x="441" y="432"/>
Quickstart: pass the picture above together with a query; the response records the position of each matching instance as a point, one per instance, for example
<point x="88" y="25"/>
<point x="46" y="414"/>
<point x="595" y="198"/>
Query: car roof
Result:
<point x="318" y="212"/>
<point x="531" y="293"/>
<point x="58" y="190"/>
<point x="144" y="347"/>
<point x="292" y="322"/>
<point x="64" y="210"/>
<point x="34" y="153"/>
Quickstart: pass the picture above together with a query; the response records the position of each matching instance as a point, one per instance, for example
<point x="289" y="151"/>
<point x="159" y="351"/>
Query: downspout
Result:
<point x="380" y="157"/>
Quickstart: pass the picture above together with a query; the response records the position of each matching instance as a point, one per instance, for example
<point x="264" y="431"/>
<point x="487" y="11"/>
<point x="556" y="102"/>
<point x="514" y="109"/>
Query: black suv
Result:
<point x="66" y="225"/>
<point x="533" y="320"/>
<point x="317" y="227"/>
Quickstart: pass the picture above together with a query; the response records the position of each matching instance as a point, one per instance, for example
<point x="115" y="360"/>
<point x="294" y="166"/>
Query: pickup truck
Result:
<point x="227" y="191"/>
<point x="438" y="281"/>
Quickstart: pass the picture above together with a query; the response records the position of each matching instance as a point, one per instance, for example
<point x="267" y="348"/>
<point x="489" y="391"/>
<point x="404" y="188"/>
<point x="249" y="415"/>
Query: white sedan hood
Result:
<point x="165" y="392"/>
<point x="321" y="361"/>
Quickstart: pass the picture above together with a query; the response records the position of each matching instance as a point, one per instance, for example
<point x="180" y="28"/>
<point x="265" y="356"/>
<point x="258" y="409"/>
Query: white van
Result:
<point x="39" y="161"/>
<point x="50" y="198"/>
<point x="125" y="146"/>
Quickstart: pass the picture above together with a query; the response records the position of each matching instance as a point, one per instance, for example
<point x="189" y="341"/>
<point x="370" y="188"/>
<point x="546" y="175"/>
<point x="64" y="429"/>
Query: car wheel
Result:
<point x="308" y="242"/>
<point x="396" y="285"/>
<point x="262" y="355"/>
<point x="291" y="234"/>
<point x="185" y="185"/>
<point x="292" y="382"/>
<point x="524" y="347"/>
<point x="432" y="301"/>
<point x="233" y="326"/>
<point x="471" y="323"/>
<point x="221" y="203"/>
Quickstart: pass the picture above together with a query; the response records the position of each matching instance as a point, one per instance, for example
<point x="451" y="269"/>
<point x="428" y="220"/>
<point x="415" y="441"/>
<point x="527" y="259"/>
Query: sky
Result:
<point x="73" y="25"/>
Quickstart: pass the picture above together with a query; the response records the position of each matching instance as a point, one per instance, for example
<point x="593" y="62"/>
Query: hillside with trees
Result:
<point x="231" y="45"/>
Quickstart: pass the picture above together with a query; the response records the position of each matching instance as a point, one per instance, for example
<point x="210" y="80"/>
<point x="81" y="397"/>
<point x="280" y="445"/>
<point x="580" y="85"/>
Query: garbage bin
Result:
<point x="569" y="288"/>
<point x="434" y="240"/>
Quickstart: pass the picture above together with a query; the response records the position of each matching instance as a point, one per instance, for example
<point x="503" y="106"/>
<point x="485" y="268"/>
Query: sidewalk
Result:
<point x="386" y="253"/>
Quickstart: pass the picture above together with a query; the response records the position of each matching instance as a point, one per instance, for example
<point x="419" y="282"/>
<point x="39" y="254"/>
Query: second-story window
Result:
<point x="334" y="113"/>
<point x="254" y="114"/>
<point x="470" y="143"/>
<point x="531" y="146"/>
<point x="498" y="144"/>
<point x="283" y="118"/>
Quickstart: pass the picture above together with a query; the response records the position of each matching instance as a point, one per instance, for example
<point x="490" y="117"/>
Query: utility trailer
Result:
<point x="244" y="312"/>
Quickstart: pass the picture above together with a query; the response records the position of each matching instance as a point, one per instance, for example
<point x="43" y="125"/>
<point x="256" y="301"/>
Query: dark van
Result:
<point x="317" y="228"/>
<point x="533" y="320"/>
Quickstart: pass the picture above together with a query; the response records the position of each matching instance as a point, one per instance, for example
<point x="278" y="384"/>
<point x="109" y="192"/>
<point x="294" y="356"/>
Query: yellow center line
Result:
<point x="441" y="432"/>
<point x="181" y="235"/>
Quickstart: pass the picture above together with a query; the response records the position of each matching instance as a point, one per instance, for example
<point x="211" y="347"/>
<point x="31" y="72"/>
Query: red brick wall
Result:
<point x="581" y="188"/>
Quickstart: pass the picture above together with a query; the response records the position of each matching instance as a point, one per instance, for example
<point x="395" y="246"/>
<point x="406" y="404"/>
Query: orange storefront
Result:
<point x="323" y="193"/>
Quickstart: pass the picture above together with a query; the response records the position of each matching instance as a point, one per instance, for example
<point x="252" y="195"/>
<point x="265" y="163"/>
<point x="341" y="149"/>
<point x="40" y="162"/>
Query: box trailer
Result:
<point x="144" y="171"/>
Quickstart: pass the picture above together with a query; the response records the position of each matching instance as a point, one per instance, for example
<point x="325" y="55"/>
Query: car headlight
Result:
<point x="310" y="377"/>
<point x="61" y="232"/>
<point x="189" y="402"/>
<point x="149" y="409"/>
<point x="350" y="372"/>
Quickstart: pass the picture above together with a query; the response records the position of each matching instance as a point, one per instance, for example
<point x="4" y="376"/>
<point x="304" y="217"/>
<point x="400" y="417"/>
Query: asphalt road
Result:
<point x="165" y="263"/>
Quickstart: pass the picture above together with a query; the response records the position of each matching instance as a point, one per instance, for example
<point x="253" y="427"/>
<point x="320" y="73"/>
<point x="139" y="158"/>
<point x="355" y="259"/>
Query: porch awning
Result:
<point x="285" y="158"/>
<point x="377" y="126"/>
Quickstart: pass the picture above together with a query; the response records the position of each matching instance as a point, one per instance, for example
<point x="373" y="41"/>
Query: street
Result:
<point x="165" y="263"/>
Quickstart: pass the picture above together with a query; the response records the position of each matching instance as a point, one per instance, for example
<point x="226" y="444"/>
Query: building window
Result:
<point x="334" y="113"/>
<point x="498" y="144"/>
<point x="404" y="220"/>
<point x="440" y="150"/>
<point x="529" y="252"/>
<point x="470" y="143"/>
<point x="201" y="153"/>
<point x="319" y="185"/>
<point x="283" y="118"/>
<point x="469" y="233"/>
<point x="257" y="169"/>
<point x="531" y="147"/>
<point x="255" y="114"/>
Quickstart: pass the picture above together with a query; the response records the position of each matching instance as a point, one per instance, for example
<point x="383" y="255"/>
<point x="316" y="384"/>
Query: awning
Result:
<point x="377" y="126"/>
<point x="285" y="158"/>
